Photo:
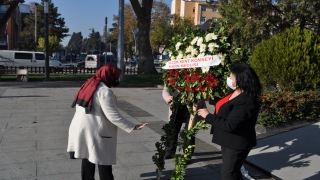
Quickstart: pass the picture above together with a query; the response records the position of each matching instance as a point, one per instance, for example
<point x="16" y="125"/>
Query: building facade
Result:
<point x="198" y="10"/>
<point x="10" y="33"/>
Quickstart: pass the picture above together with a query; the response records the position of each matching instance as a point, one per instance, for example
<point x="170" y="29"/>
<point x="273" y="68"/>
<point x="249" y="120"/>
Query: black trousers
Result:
<point x="182" y="115"/>
<point x="88" y="169"/>
<point x="232" y="161"/>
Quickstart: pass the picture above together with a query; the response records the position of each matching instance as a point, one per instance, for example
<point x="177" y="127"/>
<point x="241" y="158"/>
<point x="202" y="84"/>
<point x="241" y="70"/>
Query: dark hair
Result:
<point x="247" y="79"/>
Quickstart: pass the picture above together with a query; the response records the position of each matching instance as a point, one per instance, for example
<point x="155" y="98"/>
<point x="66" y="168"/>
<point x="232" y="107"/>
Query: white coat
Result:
<point x="94" y="136"/>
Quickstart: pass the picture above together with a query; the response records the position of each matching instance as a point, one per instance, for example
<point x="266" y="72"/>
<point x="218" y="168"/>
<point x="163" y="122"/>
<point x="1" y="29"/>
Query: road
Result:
<point x="128" y="66"/>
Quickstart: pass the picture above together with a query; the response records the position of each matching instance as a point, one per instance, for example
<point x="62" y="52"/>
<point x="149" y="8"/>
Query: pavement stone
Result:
<point x="38" y="150"/>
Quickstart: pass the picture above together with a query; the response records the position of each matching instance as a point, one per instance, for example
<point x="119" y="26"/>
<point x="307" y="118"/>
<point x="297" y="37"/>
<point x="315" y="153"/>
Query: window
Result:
<point x="26" y="56"/>
<point x="214" y="19"/>
<point x="203" y="8"/>
<point x="214" y="9"/>
<point x="194" y="10"/>
<point x="90" y="59"/>
<point x="39" y="56"/>
<point x="202" y="20"/>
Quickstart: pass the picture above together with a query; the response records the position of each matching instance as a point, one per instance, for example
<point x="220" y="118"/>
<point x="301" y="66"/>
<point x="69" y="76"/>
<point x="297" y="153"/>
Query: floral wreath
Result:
<point x="193" y="84"/>
<point x="199" y="83"/>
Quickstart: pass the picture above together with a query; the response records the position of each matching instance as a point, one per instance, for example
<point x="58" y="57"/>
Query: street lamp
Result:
<point x="120" y="56"/>
<point x="135" y="41"/>
<point x="106" y="32"/>
<point x="46" y="38"/>
<point x="35" y="23"/>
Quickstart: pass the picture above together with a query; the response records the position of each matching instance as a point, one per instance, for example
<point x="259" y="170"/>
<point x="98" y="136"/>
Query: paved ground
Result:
<point x="35" y="118"/>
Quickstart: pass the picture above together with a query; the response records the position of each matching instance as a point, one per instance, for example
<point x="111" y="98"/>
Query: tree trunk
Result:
<point x="143" y="13"/>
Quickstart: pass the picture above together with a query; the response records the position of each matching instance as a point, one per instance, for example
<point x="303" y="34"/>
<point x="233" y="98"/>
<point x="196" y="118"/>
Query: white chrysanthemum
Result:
<point x="205" y="69"/>
<point x="203" y="47"/>
<point x="201" y="55"/>
<point x="194" y="52"/>
<point x="189" y="49"/>
<point x="178" y="45"/>
<point x="189" y="56"/>
<point x="211" y="47"/>
<point x="213" y="36"/>
<point x="221" y="57"/>
<point x="180" y="56"/>
<point x="200" y="41"/>
<point x="172" y="58"/>
<point x="208" y="37"/>
<point x="194" y="40"/>
<point x="215" y="45"/>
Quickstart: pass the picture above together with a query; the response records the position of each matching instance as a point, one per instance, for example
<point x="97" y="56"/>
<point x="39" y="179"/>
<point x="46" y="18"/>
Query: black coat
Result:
<point x="234" y="125"/>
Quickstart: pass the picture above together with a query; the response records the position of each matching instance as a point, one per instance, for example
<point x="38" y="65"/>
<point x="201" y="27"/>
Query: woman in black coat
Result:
<point x="234" y="119"/>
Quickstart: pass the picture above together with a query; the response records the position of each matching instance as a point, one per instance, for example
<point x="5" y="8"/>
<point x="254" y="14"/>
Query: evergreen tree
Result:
<point x="165" y="30"/>
<point x="252" y="20"/>
<point x="291" y="60"/>
<point x="56" y="26"/>
<point x="75" y="42"/>
<point x="94" y="41"/>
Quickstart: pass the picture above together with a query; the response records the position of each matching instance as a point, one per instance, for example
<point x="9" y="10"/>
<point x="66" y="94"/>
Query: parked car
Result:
<point x="96" y="60"/>
<point x="133" y="61"/>
<point x="27" y="58"/>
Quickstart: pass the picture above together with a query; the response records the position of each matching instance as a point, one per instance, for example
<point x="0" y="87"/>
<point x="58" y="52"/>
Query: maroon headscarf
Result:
<point x="107" y="74"/>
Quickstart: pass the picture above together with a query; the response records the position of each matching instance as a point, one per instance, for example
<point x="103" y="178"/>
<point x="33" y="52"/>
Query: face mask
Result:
<point x="116" y="83"/>
<point x="229" y="82"/>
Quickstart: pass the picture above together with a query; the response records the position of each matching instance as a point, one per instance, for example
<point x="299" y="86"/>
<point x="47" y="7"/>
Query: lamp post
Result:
<point x="71" y="54"/>
<point x="135" y="41"/>
<point x="35" y="23"/>
<point x="105" y="38"/>
<point x="46" y="38"/>
<point x="120" y="63"/>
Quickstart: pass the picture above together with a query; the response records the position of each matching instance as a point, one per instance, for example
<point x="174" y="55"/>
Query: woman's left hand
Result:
<point x="140" y="126"/>
<point x="203" y="112"/>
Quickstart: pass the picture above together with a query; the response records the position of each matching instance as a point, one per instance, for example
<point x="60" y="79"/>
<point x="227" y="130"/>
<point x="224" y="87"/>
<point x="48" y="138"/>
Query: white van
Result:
<point x="96" y="60"/>
<point x="27" y="58"/>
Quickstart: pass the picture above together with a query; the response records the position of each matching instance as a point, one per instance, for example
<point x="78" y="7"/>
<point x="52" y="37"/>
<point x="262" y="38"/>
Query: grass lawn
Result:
<point x="135" y="79"/>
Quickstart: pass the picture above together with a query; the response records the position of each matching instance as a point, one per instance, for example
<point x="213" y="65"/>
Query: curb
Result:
<point x="264" y="132"/>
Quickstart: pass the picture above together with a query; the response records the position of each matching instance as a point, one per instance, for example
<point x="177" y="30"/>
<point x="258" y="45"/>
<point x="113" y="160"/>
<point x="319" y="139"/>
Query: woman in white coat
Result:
<point x="93" y="130"/>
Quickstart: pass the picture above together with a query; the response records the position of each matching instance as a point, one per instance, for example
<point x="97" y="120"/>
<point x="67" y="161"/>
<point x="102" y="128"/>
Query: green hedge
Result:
<point x="284" y="107"/>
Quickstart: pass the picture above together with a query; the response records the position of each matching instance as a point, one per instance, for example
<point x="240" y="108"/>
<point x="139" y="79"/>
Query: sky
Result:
<point x="82" y="15"/>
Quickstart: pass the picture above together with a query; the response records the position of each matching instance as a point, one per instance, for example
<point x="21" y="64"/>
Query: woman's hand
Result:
<point x="140" y="126"/>
<point x="169" y="100"/>
<point x="203" y="112"/>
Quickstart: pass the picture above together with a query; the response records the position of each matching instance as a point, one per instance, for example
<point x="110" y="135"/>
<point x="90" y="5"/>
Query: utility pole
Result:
<point x="36" y="23"/>
<point x="120" y="63"/>
<point x="46" y="38"/>
<point x="105" y="38"/>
